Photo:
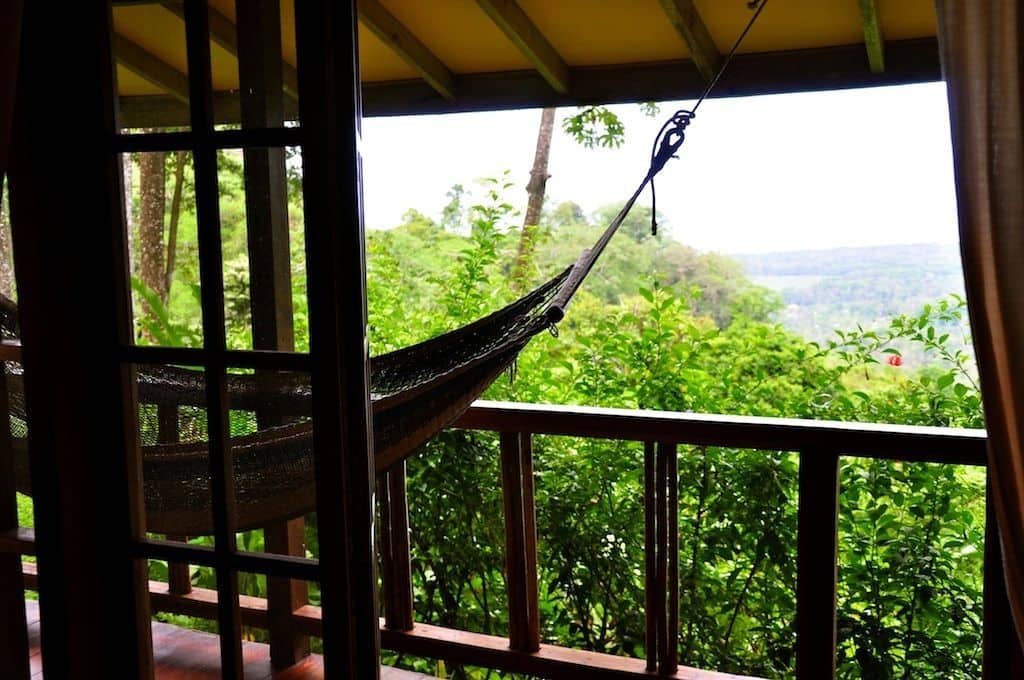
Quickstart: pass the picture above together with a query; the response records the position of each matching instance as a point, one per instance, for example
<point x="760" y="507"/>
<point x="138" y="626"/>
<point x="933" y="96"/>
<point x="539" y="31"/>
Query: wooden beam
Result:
<point x="224" y="34"/>
<point x="873" y="40"/>
<point x="395" y="35"/>
<point x="810" y="70"/>
<point x="690" y="27"/>
<point x="151" y="69"/>
<point x="514" y="23"/>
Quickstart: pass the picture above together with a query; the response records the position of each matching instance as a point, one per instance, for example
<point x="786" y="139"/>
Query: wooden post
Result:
<point x="222" y="496"/>
<point x="330" y="115"/>
<point x="520" y="541"/>
<point x="74" y="314"/>
<point x="651" y="593"/>
<point x="270" y="291"/>
<point x="661" y="550"/>
<point x="670" y="664"/>
<point x="1002" y="656"/>
<point x="817" y="529"/>
<point x="401" y="560"/>
<point x="532" y="641"/>
<point x="395" y="559"/>
<point x="179" y="577"/>
<point x="515" y="539"/>
<point x="661" y="556"/>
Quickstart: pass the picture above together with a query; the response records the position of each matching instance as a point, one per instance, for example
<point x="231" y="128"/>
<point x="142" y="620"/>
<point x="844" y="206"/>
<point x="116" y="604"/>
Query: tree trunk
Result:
<point x="172" y="225"/>
<point x="535" y="190"/>
<point x="152" y="198"/>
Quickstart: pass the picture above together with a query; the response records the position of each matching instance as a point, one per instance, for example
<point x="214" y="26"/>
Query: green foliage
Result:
<point x="661" y="326"/>
<point x="595" y="126"/>
<point x="696" y="337"/>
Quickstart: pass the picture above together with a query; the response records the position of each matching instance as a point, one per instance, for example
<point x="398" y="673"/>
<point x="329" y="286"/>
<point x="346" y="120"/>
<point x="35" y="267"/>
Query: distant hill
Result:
<point x="839" y="288"/>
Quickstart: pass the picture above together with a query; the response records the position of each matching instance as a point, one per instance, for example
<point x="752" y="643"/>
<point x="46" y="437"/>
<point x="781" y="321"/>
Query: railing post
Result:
<point x="669" y="664"/>
<point x="179" y="578"/>
<point x="661" y="534"/>
<point x="817" y="529"/>
<point x="394" y="538"/>
<point x="520" y="541"/>
<point x="1002" y="656"/>
<point x="652" y="595"/>
<point x="261" y="103"/>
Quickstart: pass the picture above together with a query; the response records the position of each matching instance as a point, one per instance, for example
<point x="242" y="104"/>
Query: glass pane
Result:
<point x="264" y="249"/>
<point x="254" y="78"/>
<point x="152" y="67"/>
<point x="163" y="248"/>
<point x="17" y="464"/>
<point x="174" y="438"/>
<point x="272" y="446"/>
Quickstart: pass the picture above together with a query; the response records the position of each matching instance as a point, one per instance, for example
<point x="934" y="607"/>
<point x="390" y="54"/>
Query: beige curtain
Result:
<point x="981" y="45"/>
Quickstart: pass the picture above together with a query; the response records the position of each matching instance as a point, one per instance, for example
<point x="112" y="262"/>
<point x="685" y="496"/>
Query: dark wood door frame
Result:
<point x="70" y="256"/>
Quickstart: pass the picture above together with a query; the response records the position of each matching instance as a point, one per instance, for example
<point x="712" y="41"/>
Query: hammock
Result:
<point x="415" y="392"/>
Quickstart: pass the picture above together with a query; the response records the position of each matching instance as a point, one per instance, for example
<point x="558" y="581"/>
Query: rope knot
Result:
<point x="666" y="144"/>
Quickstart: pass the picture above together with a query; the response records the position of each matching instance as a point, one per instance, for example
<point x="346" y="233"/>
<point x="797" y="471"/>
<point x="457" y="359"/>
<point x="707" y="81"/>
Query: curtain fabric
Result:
<point x="981" y="46"/>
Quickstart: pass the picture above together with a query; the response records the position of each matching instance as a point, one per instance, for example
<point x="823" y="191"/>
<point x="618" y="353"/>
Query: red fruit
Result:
<point x="895" y="360"/>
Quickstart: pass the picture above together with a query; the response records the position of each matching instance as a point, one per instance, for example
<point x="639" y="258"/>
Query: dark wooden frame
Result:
<point x="100" y="356"/>
<point x="84" y="461"/>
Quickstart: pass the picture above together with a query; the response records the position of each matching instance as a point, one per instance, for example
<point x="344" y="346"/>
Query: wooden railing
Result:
<point x="819" y="446"/>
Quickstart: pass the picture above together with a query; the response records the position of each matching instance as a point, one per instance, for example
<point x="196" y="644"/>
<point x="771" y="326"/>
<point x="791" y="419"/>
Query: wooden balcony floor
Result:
<point x="183" y="654"/>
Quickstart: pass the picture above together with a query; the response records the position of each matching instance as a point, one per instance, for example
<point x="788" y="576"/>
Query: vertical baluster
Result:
<point x="817" y="530"/>
<point x="1002" y="656"/>
<point x="179" y="579"/>
<point x="661" y="559"/>
<point x="532" y="641"/>
<point x="395" y="560"/>
<point x="661" y="569"/>
<point x="651" y="598"/>
<point x="385" y="549"/>
<point x="515" y="538"/>
<point x="670" y="663"/>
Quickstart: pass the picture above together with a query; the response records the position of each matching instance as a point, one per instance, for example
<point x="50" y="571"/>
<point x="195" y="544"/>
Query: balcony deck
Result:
<point x="182" y="653"/>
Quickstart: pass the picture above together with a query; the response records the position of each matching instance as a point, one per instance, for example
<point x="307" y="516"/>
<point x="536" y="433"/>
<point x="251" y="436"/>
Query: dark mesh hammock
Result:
<point x="415" y="391"/>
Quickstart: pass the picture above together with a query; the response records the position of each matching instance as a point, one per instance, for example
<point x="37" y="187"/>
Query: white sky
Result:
<point x="756" y="174"/>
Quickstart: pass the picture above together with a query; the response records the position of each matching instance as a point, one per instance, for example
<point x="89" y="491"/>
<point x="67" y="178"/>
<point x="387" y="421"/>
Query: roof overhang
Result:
<point x="472" y="55"/>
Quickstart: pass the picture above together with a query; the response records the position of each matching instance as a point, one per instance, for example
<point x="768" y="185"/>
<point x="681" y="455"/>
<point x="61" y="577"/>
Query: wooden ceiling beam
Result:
<point x="224" y="34"/>
<point x="514" y="23"/>
<point x="150" y="68"/>
<point x="873" y="40"/>
<point x="395" y="35"/>
<point x="691" y="28"/>
<point x="811" y="70"/>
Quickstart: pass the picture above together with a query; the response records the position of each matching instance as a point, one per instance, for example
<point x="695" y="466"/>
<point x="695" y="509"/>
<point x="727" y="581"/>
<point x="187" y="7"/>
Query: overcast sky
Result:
<point x="756" y="174"/>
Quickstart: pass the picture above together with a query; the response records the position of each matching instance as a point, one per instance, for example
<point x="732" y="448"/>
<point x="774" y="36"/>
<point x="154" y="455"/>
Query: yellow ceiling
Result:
<point x="583" y="33"/>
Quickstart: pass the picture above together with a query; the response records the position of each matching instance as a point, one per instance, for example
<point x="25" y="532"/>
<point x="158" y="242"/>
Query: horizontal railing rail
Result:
<point x="819" y="445"/>
<point x="911" y="443"/>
